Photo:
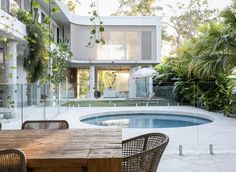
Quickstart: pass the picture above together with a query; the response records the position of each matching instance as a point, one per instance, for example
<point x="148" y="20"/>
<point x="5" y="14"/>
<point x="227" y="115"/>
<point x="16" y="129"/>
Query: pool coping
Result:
<point x="163" y="112"/>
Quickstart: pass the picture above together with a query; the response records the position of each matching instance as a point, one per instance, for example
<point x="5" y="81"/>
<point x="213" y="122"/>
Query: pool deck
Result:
<point x="195" y="140"/>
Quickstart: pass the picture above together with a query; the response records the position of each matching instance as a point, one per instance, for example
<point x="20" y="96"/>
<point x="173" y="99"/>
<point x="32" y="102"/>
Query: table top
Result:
<point x="64" y="144"/>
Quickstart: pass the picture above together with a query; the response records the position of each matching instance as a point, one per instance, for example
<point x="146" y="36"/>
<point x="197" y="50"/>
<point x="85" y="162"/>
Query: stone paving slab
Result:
<point x="198" y="163"/>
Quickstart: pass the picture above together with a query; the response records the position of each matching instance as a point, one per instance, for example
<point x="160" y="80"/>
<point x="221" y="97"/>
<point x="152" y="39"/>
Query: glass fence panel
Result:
<point x="9" y="105"/>
<point x="216" y="103"/>
<point x="195" y="120"/>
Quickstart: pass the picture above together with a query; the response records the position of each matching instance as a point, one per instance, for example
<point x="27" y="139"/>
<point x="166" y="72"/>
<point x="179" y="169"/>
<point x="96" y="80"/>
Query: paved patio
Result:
<point x="195" y="140"/>
<point x="198" y="163"/>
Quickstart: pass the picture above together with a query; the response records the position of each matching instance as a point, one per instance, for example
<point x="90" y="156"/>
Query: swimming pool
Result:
<point x="146" y="120"/>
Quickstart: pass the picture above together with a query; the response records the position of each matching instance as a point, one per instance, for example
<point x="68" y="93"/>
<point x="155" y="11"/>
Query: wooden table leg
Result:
<point x="104" y="165"/>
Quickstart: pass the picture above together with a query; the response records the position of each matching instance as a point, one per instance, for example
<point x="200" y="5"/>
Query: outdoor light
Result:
<point x="211" y="149"/>
<point x="180" y="150"/>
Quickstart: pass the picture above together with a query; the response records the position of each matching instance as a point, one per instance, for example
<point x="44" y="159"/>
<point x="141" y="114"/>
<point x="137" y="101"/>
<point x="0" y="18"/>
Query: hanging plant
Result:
<point x="97" y="28"/>
<point x="36" y="54"/>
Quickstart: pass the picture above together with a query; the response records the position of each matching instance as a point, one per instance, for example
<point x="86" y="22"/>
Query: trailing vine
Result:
<point x="36" y="55"/>
<point x="97" y="28"/>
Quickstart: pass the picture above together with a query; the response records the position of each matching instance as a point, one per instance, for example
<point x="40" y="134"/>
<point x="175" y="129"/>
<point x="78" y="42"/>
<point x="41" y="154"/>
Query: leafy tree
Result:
<point x="61" y="56"/>
<point x="137" y="8"/>
<point x="185" y="24"/>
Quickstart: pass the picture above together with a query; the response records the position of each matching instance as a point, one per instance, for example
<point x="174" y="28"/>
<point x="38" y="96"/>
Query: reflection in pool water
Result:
<point x="146" y="120"/>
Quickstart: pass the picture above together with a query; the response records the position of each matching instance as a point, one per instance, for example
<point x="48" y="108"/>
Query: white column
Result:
<point x="92" y="81"/>
<point x="77" y="84"/>
<point x="132" y="83"/>
<point x="150" y="83"/>
<point x="10" y="76"/>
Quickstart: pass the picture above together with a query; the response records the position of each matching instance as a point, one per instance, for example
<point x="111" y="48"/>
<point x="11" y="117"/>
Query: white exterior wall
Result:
<point x="79" y="39"/>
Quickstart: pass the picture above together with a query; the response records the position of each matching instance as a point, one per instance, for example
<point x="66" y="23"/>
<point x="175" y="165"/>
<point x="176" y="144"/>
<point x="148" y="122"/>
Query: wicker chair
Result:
<point x="12" y="160"/>
<point x="143" y="153"/>
<point x="45" y="124"/>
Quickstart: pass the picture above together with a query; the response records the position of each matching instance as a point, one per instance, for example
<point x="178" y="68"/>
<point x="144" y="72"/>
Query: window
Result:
<point x="42" y="17"/>
<point x="132" y="46"/>
<point x="117" y="45"/>
<point x="120" y="45"/>
<point x="36" y="10"/>
<point x="58" y="35"/>
<point x="5" y="5"/>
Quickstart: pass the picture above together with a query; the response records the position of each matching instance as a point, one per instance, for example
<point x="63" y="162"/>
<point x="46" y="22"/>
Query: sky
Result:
<point x="107" y="7"/>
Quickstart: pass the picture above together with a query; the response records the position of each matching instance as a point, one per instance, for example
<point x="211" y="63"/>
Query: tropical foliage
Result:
<point x="199" y="72"/>
<point x="61" y="57"/>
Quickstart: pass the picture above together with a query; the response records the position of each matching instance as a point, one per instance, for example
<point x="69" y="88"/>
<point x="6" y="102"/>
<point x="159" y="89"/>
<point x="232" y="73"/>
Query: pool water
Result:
<point x="146" y="120"/>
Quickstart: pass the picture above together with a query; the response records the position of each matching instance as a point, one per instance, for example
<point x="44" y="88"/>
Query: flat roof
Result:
<point x="64" y="16"/>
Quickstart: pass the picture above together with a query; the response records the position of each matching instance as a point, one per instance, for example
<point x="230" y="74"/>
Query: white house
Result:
<point x="131" y="43"/>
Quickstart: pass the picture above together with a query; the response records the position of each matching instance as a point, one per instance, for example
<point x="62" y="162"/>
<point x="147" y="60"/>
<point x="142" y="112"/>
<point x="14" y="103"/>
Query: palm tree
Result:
<point x="216" y="48"/>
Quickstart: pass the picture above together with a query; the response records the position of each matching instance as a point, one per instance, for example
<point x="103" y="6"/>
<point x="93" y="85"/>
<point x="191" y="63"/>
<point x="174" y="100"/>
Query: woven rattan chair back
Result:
<point x="45" y="124"/>
<point x="12" y="160"/>
<point x="143" y="153"/>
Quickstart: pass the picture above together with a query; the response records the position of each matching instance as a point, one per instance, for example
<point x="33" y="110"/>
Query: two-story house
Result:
<point x="131" y="43"/>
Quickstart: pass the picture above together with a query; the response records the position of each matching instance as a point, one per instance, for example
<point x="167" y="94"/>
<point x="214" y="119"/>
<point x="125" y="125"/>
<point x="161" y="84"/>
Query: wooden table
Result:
<point x="73" y="150"/>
